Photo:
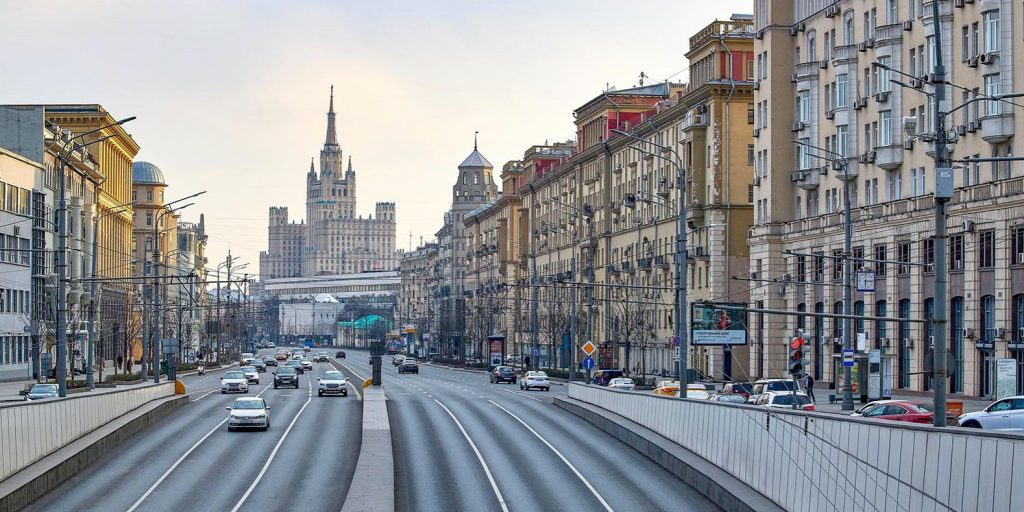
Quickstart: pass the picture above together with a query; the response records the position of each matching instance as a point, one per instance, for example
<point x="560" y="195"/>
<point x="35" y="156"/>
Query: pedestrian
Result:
<point x="120" y="361"/>
<point x="809" y="387"/>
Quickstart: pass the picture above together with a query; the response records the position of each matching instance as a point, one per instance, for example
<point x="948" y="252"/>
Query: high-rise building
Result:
<point x="334" y="239"/>
<point x="828" y="121"/>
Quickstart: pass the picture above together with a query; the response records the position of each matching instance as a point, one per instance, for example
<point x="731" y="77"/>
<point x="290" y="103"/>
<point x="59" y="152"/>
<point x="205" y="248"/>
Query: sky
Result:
<point x="231" y="95"/>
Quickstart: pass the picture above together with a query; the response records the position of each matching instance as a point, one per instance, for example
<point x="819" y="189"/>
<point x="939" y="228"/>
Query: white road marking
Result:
<point x="266" y="465"/>
<point x="487" y="470"/>
<point x="522" y="394"/>
<point x="180" y="460"/>
<point x="214" y="390"/>
<point x="560" y="456"/>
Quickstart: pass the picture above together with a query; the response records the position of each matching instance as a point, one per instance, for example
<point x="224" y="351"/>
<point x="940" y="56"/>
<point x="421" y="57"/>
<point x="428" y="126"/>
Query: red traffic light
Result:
<point x="796" y="343"/>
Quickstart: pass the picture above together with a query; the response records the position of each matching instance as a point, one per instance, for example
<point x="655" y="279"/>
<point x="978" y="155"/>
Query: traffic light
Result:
<point x="796" y="356"/>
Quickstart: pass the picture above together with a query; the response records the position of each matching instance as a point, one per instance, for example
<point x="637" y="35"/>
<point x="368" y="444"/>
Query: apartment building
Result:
<point x="830" y="126"/>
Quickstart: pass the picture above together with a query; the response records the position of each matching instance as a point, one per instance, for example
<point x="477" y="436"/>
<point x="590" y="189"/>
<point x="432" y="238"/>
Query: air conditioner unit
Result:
<point x="830" y="114"/>
<point x="698" y="251"/>
<point x="931" y="341"/>
<point x="961" y="130"/>
<point x="1020" y="258"/>
<point x="864" y="158"/>
<point x="987" y="58"/>
<point x="972" y="126"/>
<point x="697" y="120"/>
<point x="908" y="25"/>
<point x="882" y="97"/>
<point x="908" y="144"/>
<point x="958" y="3"/>
<point x="759" y="34"/>
<point x="972" y="61"/>
<point x="617" y="169"/>
<point x="757" y="183"/>
<point x="793" y="78"/>
<point x="967" y="332"/>
<point x="968" y="226"/>
<point x="17" y="230"/>
<point x="757" y="132"/>
<point x="831" y="11"/>
<point x="993" y="333"/>
<point x="799" y="176"/>
<point x="663" y="187"/>
<point x="823" y="64"/>
<point x="908" y="343"/>
<point x="757" y="85"/>
<point x="799" y="125"/>
<point x="862" y="47"/>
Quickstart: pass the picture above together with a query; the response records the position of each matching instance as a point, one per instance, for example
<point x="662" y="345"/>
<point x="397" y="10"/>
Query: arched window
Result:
<point x="848" y="27"/>
<point x="988" y="318"/>
<point x="812" y="52"/>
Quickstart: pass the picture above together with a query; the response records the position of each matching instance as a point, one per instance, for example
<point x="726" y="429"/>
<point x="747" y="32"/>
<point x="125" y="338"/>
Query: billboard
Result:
<point x="715" y="326"/>
<point x="496" y="348"/>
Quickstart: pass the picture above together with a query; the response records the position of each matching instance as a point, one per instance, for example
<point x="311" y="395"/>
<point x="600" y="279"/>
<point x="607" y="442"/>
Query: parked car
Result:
<point x="234" y="381"/>
<point x="251" y="374"/>
<point x="765" y="385"/>
<point x="784" y="400"/>
<point x="667" y="388"/>
<point x="409" y="366"/>
<point x="41" y="392"/>
<point x="1005" y="414"/>
<point x="696" y="391"/>
<point x="738" y="388"/>
<point x="721" y="397"/>
<point x="534" y="379"/>
<point x="503" y="374"/>
<point x="248" y="412"/>
<point x="287" y="376"/>
<point x="260" y="365"/>
<point x="624" y="383"/>
<point x="897" y="410"/>
<point x="603" y="377"/>
<point x="332" y="382"/>
<point x="340" y="354"/>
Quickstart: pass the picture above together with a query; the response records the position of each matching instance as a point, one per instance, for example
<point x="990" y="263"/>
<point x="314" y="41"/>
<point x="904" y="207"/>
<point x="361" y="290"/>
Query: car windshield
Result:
<point x="257" y="361"/>
<point x="788" y="399"/>
<point x="247" y="354"/>
<point x="286" y="371"/>
<point x="234" y="375"/>
<point x="43" y="388"/>
<point x="332" y="376"/>
<point x="248" y="404"/>
<point x="621" y="381"/>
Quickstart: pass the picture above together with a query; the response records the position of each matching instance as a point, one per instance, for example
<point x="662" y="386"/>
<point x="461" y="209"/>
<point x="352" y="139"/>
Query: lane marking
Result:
<point x="560" y="456"/>
<point x="487" y="470"/>
<point x="266" y="465"/>
<point x="180" y="460"/>
<point x="522" y="395"/>
<point x="212" y="391"/>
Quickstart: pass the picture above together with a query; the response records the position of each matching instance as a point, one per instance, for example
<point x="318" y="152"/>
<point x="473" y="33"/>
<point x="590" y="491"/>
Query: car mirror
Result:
<point x="228" y="408"/>
<point x="275" y="373"/>
<point x="267" y="407"/>
<point x="222" y="378"/>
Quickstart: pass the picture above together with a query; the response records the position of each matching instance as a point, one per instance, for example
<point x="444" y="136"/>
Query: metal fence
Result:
<point x="815" y="462"/>
<point x="32" y="430"/>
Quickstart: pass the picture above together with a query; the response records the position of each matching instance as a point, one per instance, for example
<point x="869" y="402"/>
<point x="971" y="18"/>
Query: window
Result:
<point x="1017" y="246"/>
<point x="837" y="323"/>
<point x="965" y="43"/>
<point x="801" y="269"/>
<point x="882" y="75"/>
<point x="1018" y="319"/>
<point x="881" y="255"/>
<point x="988" y="318"/>
<point x="928" y="253"/>
<point x="903" y="256"/>
<point x="750" y="154"/>
<point x="804" y="154"/>
<point x="842" y="82"/>
<point x="956" y="252"/>
<point x="885" y="128"/>
<point x="812" y="52"/>
<point x="819" y="268"/>
<point x="848" y="28"/>
<point x="149" y="218"/>
<point x="842" y="140"/>
<point x="992" y="88"/>
<point x="149" y="194"/>
<point x="750" y="113"/>
<point x="837" y="265"/>
<point x="804" y="106"/>
<point x="987" y="249"/>
<point x="880" y="324"/>
<point x="991" y="20"/>
<point x="891" y="11"/>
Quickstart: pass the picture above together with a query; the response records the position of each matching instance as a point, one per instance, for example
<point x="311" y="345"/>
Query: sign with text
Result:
<point x="497" y="346"/>
<point x="1006" y="378"/>
<point x="715" y="326"/>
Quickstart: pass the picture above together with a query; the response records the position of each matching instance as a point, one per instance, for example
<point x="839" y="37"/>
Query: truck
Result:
<point x="308" y="343"/>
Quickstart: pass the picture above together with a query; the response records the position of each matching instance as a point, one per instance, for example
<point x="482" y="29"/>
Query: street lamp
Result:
<point x="680" y="259"/>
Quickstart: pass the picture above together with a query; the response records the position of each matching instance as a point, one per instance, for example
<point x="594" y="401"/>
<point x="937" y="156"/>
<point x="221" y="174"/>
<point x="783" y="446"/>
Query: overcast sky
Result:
<point x="231" y="95"/>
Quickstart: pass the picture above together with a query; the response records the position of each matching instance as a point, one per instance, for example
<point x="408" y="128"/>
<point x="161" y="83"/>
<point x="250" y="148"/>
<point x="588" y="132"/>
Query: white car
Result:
<point x="247" y="357"/>
<point x="249" y="412"/>
<point x="622" y="383"/>
<point x="784" y="400"/>
<point x="251" y="373"/>
<point x="307" y="365"/>
<point x="234" y="382"/>
<point x="1005" y="414"/>
<point x="534" y="380"/>
<point x="332" y="382"/>
<point x="696" y="391"/>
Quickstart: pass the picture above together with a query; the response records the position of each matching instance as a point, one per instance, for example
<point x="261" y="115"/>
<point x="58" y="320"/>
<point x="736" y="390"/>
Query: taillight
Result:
<point x="809" y="407"/>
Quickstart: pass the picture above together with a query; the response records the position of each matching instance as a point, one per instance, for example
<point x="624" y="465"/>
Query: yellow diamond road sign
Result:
<point x="588" y="348"/>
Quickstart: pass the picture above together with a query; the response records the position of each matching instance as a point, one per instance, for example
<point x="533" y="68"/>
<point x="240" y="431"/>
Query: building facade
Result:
<point x="416" y="293"/>
<point x="866" y="139"/>
<point x="334" y="239"/>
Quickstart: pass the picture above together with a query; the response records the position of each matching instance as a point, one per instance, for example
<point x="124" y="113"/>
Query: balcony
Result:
<point x="694" y="120"/>
<point x="889" y="34"/>
<point x="807" y="71"/>
<point x="997" y="129"/>
<point x="846" y="54"/>
<point x="645" y="263"/>
<point x="807" y="179"/>
<point x="889" y="157"/>
<point x="627" y="266"/>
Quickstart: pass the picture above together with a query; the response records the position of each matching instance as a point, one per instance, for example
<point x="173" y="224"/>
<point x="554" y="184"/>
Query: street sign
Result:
<point x="848" y="358"/>
<point x="588" y="363"/>
<point x="535" y="352"/>
<point x="588" y="348"/>
<point x="865" y="281"/>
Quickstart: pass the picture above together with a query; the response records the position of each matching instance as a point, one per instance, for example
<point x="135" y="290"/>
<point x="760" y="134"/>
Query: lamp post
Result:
<point x="679" y="326"/>
<point x="586" y="213"/>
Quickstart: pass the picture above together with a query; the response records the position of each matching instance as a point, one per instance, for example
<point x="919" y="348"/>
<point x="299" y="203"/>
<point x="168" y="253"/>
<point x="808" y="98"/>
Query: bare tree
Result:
<point x="630" y="316"/>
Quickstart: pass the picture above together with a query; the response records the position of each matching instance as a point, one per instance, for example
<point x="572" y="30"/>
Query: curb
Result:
<point x="46" y="474"/>
<point x="713" y="482"/>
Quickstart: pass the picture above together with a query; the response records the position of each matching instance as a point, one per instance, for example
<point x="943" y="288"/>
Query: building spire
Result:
<point x="349" y="165"/>
<point x="474" y="139"/>
<point x="311" y="168"/>
<point x="332" y="134"/>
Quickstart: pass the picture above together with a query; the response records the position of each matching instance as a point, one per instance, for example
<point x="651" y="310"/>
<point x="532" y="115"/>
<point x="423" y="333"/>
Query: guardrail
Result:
<point x="32" y="430"/>
<point x="813" y="462"/>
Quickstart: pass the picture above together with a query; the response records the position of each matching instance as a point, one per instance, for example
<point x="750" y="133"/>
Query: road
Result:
<point x="189" y="461"/>
<point x="462" y="443"/>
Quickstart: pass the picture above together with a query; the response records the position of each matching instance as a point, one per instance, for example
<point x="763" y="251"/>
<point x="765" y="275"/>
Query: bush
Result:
<point x="73" y="384"/>
<point x="185" y="367"/>
<point x="123" y="377"/>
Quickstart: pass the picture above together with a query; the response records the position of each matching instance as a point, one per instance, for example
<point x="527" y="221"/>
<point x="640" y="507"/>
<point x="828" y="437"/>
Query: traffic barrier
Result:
<point x="32" y="430"/>
<point x="813" y="462"/>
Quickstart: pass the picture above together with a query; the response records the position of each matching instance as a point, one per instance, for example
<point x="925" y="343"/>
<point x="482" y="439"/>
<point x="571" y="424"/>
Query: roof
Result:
<point x="475" y="159"/>
<point x="145" y="173"/>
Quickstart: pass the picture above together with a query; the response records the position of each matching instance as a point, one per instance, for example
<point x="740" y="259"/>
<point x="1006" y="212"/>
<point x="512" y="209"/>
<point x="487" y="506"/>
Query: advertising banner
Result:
<point x="713" y="326"/>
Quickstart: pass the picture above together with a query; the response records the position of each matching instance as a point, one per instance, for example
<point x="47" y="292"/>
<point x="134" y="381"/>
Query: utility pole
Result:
<point x="62" y="271"/>
<point x="943" y="193"/>
<point x="534" y="323"/>
<point x="572" y="316"/>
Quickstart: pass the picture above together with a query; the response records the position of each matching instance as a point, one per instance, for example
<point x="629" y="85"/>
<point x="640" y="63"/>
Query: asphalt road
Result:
<point x="190" y="462"/>
<point x="462" y="443"/>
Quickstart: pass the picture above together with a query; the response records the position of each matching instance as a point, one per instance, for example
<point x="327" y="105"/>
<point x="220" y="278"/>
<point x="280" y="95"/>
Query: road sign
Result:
<point x="588" y="348"/>
<point x="588" y="363"/>
<point x="848" y="358"/>
<point x="535" y="352"/>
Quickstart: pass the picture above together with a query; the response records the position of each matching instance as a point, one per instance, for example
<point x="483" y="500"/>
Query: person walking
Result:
<point x="809" y="387"/>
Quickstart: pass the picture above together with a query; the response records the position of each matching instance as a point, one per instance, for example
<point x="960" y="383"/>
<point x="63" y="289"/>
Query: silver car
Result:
<point x="1006" y="414"/>
<point x="332" y="382"/>
<point x="248" y="413"/>
<point x="234" y="382"/>
<point x="251" y="373"/>
<point x="307" y="365"/>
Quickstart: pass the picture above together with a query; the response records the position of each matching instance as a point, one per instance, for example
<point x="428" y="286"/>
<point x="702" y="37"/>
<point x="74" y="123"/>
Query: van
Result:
<point x="603" y="377"/>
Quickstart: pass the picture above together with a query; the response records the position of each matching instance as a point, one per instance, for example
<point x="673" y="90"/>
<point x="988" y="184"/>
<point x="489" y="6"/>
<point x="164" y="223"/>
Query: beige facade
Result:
<point x="816" y="84"/>
<point x="416" y="293"/>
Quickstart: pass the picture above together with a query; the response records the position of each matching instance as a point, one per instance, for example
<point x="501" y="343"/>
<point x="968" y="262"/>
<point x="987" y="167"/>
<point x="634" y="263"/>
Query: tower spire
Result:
<point x="349" y="165"/>
<point x="332" y="134"/>
<point x="474" y="139"/>
<point x="311" y="168"/>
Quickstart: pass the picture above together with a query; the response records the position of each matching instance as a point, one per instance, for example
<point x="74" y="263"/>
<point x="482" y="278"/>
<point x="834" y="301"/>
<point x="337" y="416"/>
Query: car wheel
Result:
<point x="296" y="385"/>
<point x="223" y="392"/>
<point x="275" y="385"/>
<point x="231" y="429"/>
<point x="971" y="424"/>
<point x="547" y="389"/>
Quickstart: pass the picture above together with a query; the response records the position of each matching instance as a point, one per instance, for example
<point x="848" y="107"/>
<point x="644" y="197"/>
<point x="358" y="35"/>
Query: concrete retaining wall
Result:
<point x="31" y="430"/>
<point x="814" y="462"/>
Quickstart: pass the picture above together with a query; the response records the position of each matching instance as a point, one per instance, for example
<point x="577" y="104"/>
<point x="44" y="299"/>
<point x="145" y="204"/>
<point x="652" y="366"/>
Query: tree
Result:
<point x="630" y="312"/>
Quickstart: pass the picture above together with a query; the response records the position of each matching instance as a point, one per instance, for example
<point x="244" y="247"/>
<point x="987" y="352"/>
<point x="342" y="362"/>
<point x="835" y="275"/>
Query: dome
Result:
<point x="145" y="173"/>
